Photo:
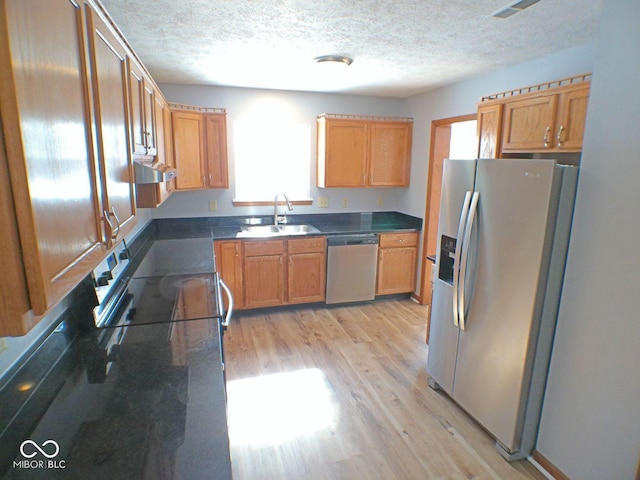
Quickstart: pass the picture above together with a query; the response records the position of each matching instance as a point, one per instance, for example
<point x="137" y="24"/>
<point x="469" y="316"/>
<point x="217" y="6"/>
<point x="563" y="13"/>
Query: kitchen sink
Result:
<point x="275" y="230"/>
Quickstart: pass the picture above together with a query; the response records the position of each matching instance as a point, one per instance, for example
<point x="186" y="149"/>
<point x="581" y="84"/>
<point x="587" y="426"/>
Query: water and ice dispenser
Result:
<point x="447" y="254"/>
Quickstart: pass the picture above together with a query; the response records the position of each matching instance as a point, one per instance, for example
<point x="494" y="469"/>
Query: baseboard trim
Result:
<point x="548" y="468"/>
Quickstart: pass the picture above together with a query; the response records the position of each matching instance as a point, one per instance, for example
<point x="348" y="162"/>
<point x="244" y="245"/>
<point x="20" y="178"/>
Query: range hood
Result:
<point x="152" y="172"/>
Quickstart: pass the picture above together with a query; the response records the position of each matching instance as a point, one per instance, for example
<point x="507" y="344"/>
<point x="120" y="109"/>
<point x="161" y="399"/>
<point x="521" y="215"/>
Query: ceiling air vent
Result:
<point x="513" y="8"/>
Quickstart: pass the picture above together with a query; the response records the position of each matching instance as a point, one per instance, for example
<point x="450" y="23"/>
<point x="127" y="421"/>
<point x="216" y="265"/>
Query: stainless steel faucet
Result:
<point x="277" y="219"/>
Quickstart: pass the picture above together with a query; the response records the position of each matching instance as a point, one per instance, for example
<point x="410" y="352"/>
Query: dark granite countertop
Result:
<point x="224" y="228"/>
<point x="152" y="407"/>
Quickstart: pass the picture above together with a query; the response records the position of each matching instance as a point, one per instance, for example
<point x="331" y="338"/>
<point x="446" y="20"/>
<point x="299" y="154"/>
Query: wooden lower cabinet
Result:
<point x="263" y="273"/>
<point x="307" y="270"/>
<point x="274" y="272"/>
<point x="397" y="263"/>
<point x="229" y="266"/>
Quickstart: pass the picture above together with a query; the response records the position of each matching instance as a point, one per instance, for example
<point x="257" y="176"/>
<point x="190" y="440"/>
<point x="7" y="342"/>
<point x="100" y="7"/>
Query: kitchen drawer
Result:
<point x="256" y="248"/>
<point x="390" y="240"/>
<point x="307" y="245"/>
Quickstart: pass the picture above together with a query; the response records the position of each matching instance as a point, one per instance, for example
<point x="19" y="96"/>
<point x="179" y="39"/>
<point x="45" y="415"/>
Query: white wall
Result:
<point x="591" y="416"/>
<point x="244" y="103"/>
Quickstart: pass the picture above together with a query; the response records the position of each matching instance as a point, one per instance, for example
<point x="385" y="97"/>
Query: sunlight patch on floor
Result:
<point x="272" y="409"/>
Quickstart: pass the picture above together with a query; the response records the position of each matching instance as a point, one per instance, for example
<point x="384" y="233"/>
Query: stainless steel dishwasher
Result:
<point x="352" y="262"/>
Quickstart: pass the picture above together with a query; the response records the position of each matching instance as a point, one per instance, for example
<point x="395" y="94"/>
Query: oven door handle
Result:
<point x="227" y="291"/>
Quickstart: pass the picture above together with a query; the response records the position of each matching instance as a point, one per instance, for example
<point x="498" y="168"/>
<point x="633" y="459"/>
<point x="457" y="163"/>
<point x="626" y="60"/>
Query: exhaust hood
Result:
<point x="152" y="172"/>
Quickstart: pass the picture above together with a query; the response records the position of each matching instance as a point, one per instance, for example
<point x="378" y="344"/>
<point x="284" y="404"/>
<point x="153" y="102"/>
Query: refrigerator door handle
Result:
<point x="456" y="256"/>
<point x="473" y="209"/>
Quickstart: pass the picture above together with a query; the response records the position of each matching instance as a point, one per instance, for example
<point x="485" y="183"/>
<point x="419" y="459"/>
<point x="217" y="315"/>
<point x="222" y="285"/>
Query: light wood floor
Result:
<point x="341" y="393"/>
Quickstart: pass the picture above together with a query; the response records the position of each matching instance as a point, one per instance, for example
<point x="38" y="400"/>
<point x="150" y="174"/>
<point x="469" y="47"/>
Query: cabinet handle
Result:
<point x="115" y="215"/>
<point x="237" y="253"/>
<point x="546" y="136"/>
<point x="559" y="137"/>
<point x="105" y="214"/>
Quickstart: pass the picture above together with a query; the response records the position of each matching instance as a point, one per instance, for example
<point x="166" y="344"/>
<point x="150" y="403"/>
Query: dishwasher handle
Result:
<point x="355" y="239"/>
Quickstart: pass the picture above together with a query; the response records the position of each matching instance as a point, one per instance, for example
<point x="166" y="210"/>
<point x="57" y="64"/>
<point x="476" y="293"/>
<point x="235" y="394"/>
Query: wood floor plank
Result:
<point x="342" y="393"/>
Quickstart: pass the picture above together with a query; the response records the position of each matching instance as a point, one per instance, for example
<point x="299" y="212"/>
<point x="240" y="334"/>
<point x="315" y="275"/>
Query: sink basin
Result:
<point x="275" y="230"/>
<point x="297" y="229"/>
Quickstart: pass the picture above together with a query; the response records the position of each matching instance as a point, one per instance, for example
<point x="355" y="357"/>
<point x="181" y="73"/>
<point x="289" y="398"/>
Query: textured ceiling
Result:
<point x="399" y="48"/>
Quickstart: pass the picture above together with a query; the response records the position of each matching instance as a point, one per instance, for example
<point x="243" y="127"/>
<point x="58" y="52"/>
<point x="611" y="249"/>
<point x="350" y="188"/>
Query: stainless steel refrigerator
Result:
<point x="502" y="243"/>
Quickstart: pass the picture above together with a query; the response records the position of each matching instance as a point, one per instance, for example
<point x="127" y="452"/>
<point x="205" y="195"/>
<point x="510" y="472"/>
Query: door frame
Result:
<point x="434" y="148"/>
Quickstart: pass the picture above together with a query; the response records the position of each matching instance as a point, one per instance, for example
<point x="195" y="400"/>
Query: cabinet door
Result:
<point x="489" y="130"/>
<point x="229" y="265"/>
<point x="307" y="277"/>
<point x="215" y="126"/>
<point x="152" y="195"/>
<point x="263" y="281"/>
<point x="136" y="108"/>
<point x="188" y="149"/>
<point x="46" y="123"/>
<point x="149" y="117"/>
<point x="396" y="270"/>
<point x="572" y="114"/>
<point x="389" y="154"/>
<point x="345" y="156"/>
<point x="529" y="124"/>
<point x="14" y="295"/>
<point x="109" y="75"/>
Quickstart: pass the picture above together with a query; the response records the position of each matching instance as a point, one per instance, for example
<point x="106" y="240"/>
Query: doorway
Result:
<point x="454" y="137"/>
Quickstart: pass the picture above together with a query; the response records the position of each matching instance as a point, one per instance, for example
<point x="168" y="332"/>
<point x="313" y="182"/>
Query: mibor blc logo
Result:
<point x="33" y="453"/>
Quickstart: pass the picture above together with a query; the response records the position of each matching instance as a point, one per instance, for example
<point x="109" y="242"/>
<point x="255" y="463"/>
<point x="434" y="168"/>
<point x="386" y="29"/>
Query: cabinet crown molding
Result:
<point x="365" y="117"/>
<point x="541" y="87"/>
<point x="194" y="108"/>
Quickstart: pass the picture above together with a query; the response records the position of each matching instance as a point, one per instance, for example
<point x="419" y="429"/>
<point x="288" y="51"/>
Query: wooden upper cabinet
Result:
<point x="188" y="148"/>
<point x="14" y="294"/>
<point x="389" y="154"/>
<point x="46" y="124"/>
<point x="571" y="118"/>
<point x="152" y="195"/>
<point x="549" y="121"/>
<point x="528" y="123"/>
<point x="344" y="158"/>
<point x="149" y="103"/>
<point x="200" y="149"/>
<point x="136" y="109"/>
<point x="215" y="144"/>
<point x="363" y="153"/>
<point x="489" y="130"/>
<point x="142" y="95"/>
<point x="109" y="79"/>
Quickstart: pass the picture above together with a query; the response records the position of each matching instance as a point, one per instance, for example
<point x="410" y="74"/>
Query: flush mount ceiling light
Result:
<point x="334" y="59"/>
<point x="513" y="8"/>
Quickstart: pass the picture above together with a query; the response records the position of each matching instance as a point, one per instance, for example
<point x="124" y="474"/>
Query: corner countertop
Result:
<point x="153" y="407"/>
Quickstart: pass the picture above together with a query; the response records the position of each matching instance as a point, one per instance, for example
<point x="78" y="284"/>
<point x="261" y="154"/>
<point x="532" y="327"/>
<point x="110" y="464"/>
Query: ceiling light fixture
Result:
<point x="513" y="8"/>
<point x="335" y="59"/>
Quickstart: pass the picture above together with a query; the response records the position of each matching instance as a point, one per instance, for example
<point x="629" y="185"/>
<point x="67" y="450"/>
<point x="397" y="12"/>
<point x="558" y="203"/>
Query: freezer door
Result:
<point x="509" y="253"/>
<point x="457" y="180"/>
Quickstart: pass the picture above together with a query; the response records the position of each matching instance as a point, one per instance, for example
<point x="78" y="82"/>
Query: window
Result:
<point x="270" y="159"/>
